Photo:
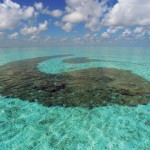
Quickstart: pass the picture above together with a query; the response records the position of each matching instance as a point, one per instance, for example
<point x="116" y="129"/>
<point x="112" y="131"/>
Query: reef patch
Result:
<point x="86" y="88"/>
<point x="79" y="60"/>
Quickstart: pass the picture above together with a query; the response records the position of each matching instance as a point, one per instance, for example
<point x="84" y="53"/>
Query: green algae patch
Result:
<point x="89" y="88"/>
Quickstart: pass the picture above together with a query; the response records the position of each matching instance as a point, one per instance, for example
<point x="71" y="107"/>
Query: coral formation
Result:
<point x="86" y="88"/>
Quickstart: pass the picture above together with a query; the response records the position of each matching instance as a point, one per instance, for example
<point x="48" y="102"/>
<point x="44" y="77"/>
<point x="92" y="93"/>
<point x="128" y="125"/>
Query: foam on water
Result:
<point x="25" y="125"/>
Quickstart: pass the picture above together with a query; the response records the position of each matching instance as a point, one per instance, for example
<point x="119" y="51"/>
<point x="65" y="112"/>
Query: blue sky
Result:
<point x="74" y="22"/>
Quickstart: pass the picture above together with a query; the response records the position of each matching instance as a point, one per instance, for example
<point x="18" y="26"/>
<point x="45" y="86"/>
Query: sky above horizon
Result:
<point x="74" y="22"/>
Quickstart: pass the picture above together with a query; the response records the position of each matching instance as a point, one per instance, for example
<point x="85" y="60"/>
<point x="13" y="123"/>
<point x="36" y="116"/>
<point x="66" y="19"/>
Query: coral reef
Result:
<point x="86" y="88"/>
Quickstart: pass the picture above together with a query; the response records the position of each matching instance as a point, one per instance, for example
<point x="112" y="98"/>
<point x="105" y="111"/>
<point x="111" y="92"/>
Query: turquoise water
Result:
<point x="25" y="126"/>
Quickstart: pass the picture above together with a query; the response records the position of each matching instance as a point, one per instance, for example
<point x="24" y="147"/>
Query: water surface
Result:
<point x="26" y="125"/>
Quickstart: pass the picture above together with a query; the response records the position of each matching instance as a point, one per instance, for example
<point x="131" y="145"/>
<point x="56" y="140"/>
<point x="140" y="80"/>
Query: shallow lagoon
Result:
<point x="25" y="125"/>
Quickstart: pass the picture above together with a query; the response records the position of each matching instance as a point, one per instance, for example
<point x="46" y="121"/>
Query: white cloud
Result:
<point x="12" y="13"/>
<point x="105" y="35"/>
<point x="77" y="40"/>
<point x="88" y="11"/>
<point x="94" y="36"/>
<point x="55" y="13"/>
<point x="74" y="17"/>
<point x="93" y="14"/>
<point x="34" y="30"/>
<point x="34" y="38"/>
<point x="141" y="32"/>
<point x="86" y="36"/>
<point x="127" y="33"/>
<point x="67" y="27"/>
<point x="128" y="13"/>
<point x="38" y="6"/>
<point x="29" y="30"/>
<point x="13" y="36"/>
<point x="138" y="29"/>
<point x="112" y="30"/>
<point x="43" y="26"/>
<point x="57" y="24"/>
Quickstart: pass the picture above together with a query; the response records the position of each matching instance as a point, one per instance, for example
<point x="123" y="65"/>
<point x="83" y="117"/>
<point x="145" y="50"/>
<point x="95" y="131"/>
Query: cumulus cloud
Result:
<point x="11" y="13"/>
<point x="13" y="36"/>
<point x="78" y="40"/>
<point x="34" y="38"/>
<point x="93" y="14"/>
<point x="55" y="13"/>
<point x="127" y="33"/>
<point x="43" y="26"/>
<point x="141" y="32"/>
<point x="111" y="30"/>
<point x="134" y="33"/>
<point x="86" y="36"/>
<point x="67" y="27"/>
<point x="34" y="30"/>
<point x="128" y="13"/>
<point x="74" y="17"/>
<point x="38" y="6"/>
<point x="89" y="12"/>
<point x="57" y="24"/>
<point x="29" y="30"/>
<point x="105" y="35"/>
<point x="138" y="30"/>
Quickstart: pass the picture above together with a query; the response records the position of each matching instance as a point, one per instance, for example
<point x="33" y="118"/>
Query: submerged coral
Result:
<point x="79" y="60"/>
<point x="86" y="88"/>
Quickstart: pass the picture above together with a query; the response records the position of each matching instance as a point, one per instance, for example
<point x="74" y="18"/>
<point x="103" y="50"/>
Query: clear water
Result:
<point x="25" y="126"/>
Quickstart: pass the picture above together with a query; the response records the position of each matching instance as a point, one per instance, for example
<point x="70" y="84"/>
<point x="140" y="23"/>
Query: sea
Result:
<point x="32" y="126"/>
